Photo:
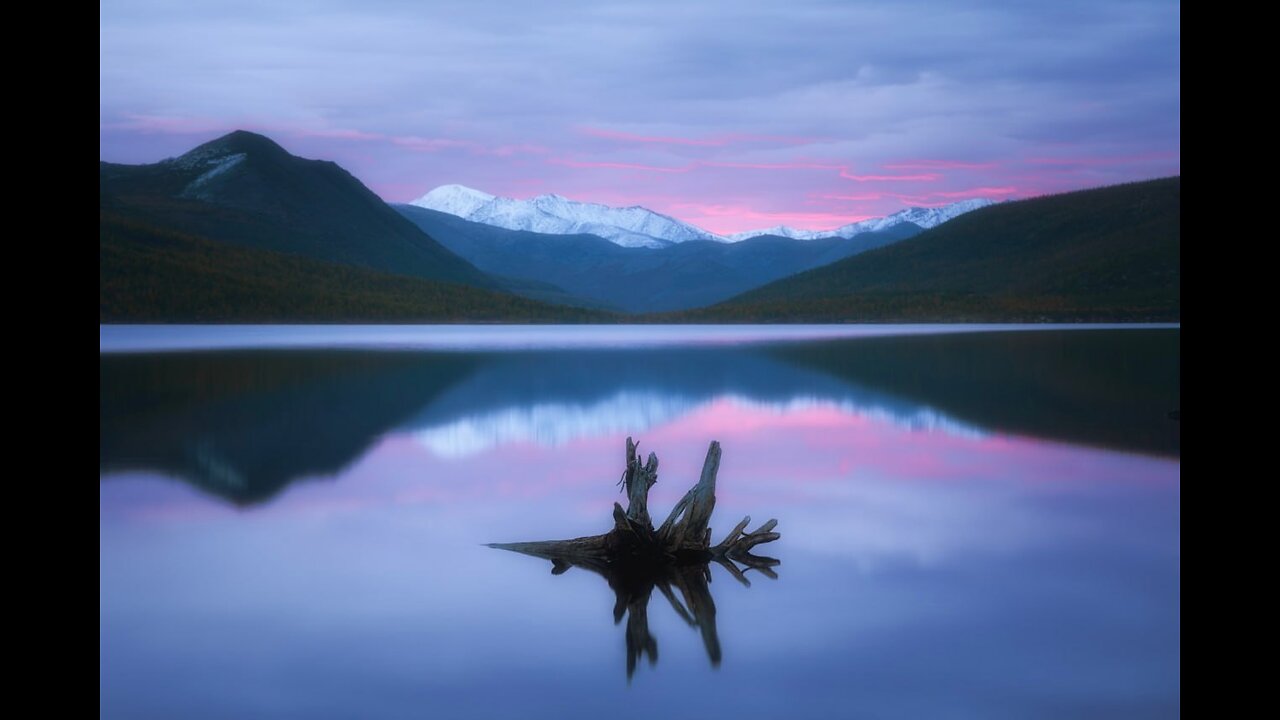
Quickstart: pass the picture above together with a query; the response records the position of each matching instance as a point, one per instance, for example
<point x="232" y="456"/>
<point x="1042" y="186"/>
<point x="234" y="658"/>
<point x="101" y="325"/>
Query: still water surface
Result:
<point x="974" y="524"/>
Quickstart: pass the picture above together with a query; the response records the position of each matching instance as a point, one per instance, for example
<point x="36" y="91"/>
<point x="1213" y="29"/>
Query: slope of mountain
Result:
<point x="153" y="274"/>
<point x="1104" y="254"/>
<point x="639" y="279"/>
<point x="245" y="189"/>
<point x="552" y="214"/>
<point x="923" y="217"/>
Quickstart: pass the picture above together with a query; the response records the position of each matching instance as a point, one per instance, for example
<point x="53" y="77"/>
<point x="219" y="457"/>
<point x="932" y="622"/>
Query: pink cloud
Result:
<point x="864" y="197"/>
<point x="630" y="137"/>
<point x="924" y="177"/>
<point x="519" y="148"/>
<point x="341" y="134"/>
<point x="167" y="124"/>
<point x="731" y="218"/>
<point x="420" y="144"/>
<point x="937" y="165"/>
<point x="801" y="165"/>
<point x="180" y="125"/>
<point x="618" y="166"/>
<point x="688" y="167"/>
<point x="712" y="141"/>
<point x="931" y="198"/>
<point x="975" y="192"/>
<point x="1102" y="161"/>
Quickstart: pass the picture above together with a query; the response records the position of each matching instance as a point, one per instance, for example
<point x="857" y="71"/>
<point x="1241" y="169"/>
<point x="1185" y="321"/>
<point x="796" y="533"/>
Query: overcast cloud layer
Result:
<point x="729" y="114"/>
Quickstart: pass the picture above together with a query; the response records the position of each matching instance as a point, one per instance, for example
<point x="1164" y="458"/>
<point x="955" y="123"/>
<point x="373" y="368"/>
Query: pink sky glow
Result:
<point x="713" y="182"/>
<point x="777" y="113"/>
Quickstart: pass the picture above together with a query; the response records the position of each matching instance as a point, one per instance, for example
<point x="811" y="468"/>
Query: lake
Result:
<point x="976" y="522"/>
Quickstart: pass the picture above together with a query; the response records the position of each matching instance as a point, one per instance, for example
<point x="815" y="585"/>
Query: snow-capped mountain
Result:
<point x="628" y="226"/>
<point x="782" y="231"/>
<point x="924" y="217"/>
<point x="636" y="226"/>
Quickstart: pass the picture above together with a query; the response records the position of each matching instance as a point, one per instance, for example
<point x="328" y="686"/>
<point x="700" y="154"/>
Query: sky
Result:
<point x="729" y="114"/>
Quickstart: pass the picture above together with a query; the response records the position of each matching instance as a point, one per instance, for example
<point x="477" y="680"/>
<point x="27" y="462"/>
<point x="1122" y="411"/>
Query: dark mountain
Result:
<point x="1109" y="253"/>
<point x="150" y="274"/>
<point x="246" y="190"/>
<point x="685" y="275"/>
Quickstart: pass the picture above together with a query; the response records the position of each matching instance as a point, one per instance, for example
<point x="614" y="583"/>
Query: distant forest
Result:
<point x="148" y="274"/>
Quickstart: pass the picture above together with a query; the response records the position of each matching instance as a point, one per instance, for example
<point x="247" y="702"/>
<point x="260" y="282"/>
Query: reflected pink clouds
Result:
<point x="771" y="451"/>
<point x="839" y="479"/>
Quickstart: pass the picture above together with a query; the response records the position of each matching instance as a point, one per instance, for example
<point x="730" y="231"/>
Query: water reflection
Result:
<point x="633" y="585"/>
<point x="940" y="559"/>
<point x="242" y="425"/>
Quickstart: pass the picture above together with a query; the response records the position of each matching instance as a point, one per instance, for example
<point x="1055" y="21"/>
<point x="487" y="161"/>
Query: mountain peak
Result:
<point x="924" y="217"/>
<point x="241" y="141"/>
<point x="558" y="215"/>
<point x="457" y="200"/>
<point x="229" y="149"/>
<point x="454" y="189"/>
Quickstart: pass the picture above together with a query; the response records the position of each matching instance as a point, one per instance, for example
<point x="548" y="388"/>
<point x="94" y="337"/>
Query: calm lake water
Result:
<point x="974" y="524"/>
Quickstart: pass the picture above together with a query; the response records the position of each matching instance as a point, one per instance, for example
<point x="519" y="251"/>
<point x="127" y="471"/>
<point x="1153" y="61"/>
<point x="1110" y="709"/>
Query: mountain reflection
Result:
<point x="242" y="425"/>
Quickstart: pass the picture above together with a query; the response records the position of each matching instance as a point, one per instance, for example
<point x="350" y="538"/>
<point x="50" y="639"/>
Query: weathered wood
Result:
<point x="684" y="536"/>
<point x="739" y="543"/>
<point x="685" y="529"/>
<point x="638" y="479"/>
<point x="635" y="558"/>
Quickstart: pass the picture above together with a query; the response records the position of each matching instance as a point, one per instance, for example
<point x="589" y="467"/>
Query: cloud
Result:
<point x="923" y="177"/>
<point x="681" y="100"/>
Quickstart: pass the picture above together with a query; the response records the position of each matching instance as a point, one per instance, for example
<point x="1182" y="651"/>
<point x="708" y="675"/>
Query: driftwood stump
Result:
<point x="634" y="558"/>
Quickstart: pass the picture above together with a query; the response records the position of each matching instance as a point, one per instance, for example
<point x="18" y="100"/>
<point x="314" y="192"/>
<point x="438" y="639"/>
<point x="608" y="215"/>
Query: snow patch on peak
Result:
<point x="782" y="231"/>
<point x="932" y="217"/>
<point x="924" y="217"/>
<point x="217" y="166"/>
<point x="457" y="200"/>
<point x="632" y="226"/>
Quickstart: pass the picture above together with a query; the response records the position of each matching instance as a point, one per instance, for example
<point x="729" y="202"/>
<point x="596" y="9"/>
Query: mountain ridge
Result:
<point x="925" y="218"/>
<point x="1101" y="254"/>
<point x="638" y="226"/>
<point x="632" y="226"/>
<point x="676" y="277"/>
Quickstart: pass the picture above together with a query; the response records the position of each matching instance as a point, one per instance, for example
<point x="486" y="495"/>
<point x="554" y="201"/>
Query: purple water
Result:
<point x="300" y="533"/>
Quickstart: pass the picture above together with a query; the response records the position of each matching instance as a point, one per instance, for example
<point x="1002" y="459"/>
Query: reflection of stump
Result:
<point x="635" y="558"/>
